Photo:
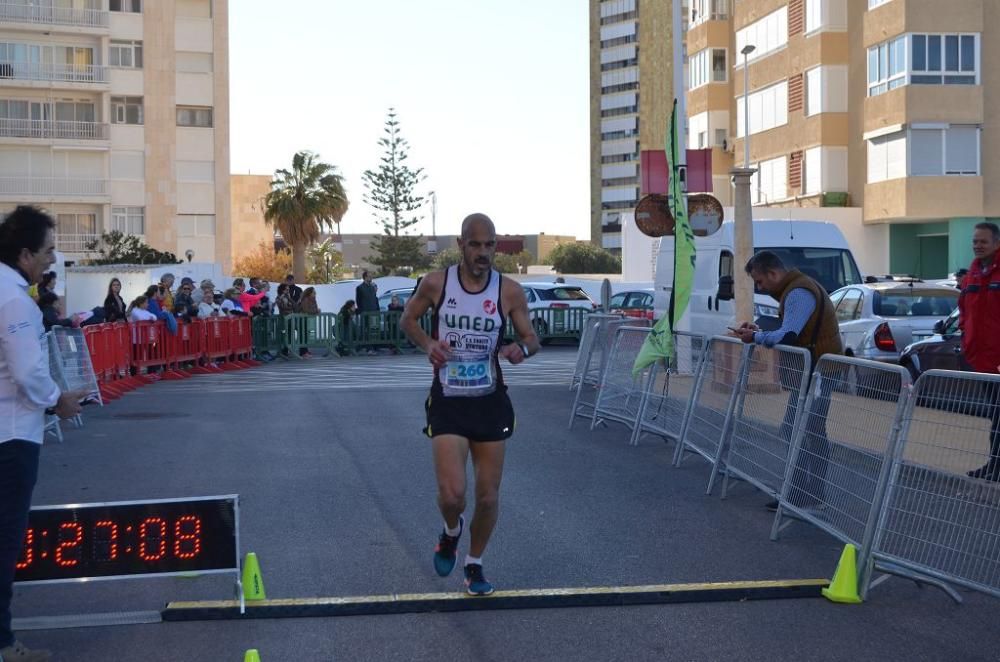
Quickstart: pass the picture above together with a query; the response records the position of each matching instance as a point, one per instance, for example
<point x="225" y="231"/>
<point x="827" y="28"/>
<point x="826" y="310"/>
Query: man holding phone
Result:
<point x="27" y="248"/>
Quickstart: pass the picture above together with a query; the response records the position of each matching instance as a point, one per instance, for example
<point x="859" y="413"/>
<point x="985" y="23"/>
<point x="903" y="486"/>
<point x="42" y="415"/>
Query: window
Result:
<point x="887" y="66"/>
<point x="826" y="89"/>
<point x="84" y="224"/>
<point x="768" y="34"/>
<point x="126" y="110"/>
<point x="768" y="109"/>
<point x="128" y="165"/>
<point x="130" y="220"/>
<point x="887" y="157"/>
<point x="770" y="182"/>
<point x="923" y="59"/>
<point x="195" y="225"/>
<point x="194" y="116"/>
<point x="134" y="6"/>
<point x="875" y="3"/>
<point x="826" y="15"/>
<point x="953" y="150"/>
<point x="849" y="307"/>
<point x="126" y="54"/>
<point x="707" y="66"/>
<point x="709" y="10"/>
<point x="721" y="136"/>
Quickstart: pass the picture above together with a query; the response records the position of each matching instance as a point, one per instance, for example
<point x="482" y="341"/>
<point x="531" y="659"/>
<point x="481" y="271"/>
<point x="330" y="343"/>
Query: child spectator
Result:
<point x="50" y="313"/>
<point x="138" y="310"/>
<point x="231" y="303"/>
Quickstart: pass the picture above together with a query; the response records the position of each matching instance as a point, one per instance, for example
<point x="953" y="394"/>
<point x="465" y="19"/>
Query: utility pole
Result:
<point x="743" y="209"/>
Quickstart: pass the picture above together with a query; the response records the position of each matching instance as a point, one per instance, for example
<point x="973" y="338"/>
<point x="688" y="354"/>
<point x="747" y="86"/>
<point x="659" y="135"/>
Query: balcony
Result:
<point x="35" y="15"/>
<point x="49" y="187"/>
<point x="63" y="73"/>
<point x="75" y="243"/>
<point x="924" y="199"/>
<point x="53" y="129"/>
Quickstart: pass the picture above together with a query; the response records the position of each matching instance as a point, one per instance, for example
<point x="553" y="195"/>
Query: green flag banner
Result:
<point x="660" y="342"/>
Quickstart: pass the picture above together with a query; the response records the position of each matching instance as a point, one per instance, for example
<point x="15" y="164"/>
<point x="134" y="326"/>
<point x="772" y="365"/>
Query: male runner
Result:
<point x="468" y="411"/>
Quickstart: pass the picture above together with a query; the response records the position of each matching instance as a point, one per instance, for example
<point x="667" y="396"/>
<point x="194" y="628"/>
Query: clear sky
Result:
<point x="492" y="96"/>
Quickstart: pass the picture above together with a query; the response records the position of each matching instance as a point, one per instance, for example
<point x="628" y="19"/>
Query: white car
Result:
<point x="878" y="319"/>
<point x="552" y="307"/>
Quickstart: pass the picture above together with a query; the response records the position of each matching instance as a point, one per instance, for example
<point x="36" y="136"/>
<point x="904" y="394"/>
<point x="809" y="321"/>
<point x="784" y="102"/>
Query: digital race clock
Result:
<point x="129" y="538"/>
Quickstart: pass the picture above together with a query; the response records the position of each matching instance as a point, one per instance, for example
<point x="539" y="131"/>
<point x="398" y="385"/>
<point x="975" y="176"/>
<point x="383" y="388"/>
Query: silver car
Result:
<point x="878" y="319"/>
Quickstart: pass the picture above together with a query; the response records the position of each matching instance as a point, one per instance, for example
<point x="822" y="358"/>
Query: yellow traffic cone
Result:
<point x="253" y="583"/>
<point x="251" y="656"/>
<point x="844" y="587"/>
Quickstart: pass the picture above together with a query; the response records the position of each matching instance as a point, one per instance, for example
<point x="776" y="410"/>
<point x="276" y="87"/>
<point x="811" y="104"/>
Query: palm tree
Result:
<point x="303" y="202"/>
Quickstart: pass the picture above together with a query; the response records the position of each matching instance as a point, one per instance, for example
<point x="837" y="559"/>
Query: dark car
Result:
<point x="943" y="350"/>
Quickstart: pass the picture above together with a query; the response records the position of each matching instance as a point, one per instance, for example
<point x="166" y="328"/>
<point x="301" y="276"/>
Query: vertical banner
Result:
<point x="659" y="344"/>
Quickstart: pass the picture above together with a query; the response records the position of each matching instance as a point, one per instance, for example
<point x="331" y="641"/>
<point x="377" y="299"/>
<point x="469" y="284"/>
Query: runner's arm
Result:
<point x="425" y="298"/>
<point x="516" y="308"/>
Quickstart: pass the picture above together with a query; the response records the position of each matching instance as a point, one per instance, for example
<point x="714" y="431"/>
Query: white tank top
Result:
<point x="471" y="323"/>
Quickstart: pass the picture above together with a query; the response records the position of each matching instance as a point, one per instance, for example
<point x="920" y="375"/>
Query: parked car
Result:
<point x="942" y="350"/>
<point x="878" y="319"/>
<point x="634" y="303"/>
<point x="549" y="306"/>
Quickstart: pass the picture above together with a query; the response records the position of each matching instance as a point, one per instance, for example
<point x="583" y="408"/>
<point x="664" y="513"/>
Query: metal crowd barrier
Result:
<point x="938" y="522"/>
<point x="593" y="369"/>
<point x="772" y="390"/>
<point x="620" y="393"/>
<point x="708" y="418"/>
<point x="669" y="388"/>
<point x="555" y="323"/>
<point x="840" y="457"/>
<point x="586" y="346"/>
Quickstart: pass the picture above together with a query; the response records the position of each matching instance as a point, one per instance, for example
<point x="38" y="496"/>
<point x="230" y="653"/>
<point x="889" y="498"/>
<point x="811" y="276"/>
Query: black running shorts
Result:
<point x="486" y="418"/>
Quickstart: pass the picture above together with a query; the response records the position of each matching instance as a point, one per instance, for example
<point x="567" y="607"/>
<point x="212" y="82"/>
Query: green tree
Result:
<point x="303" y="202"/>
<point x="398" y="256"/>
<point x="584" y="258"/>
<point x="446" y="258"/>
<point x="389" y="189"/>
<point x="326" y="263"/>
<point x="119" y="248"/>
<point x="512" y="264"/>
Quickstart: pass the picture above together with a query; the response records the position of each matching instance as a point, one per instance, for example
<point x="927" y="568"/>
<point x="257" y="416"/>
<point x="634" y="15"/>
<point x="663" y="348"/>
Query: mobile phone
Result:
<point x="89" y="400"/>
<point x="732" y="329"/>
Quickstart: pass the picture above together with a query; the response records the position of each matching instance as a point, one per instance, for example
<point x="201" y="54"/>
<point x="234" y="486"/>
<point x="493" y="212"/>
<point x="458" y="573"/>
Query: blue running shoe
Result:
<point x="475" y="583"/>
<point x="446" y="551"/>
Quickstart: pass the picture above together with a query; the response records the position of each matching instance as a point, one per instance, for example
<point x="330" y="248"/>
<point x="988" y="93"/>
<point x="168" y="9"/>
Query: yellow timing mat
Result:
<point x="408" y="603"/>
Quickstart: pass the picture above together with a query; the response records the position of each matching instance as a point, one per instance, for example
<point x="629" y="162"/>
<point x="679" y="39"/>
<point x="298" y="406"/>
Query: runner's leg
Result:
<point x="451" y="452"/>
<point x="487" y="461"/>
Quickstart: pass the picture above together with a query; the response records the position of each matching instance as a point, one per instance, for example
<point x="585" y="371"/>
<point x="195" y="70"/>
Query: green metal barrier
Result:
<point x="554" y="323"/>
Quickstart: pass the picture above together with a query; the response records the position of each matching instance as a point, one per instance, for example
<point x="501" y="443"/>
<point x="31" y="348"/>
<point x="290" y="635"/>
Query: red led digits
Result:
<point x="187" y="537"/>
<point x="105" y="540"/>
<point x="68" y="551"/>
<point x="157" y="541"/>
<point x="28" y="552"/>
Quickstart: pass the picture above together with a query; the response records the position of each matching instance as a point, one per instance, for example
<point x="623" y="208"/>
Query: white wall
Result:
<point x="639" y="252"/>
<point x="86" y="287"/>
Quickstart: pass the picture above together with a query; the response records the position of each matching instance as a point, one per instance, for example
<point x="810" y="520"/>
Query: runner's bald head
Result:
<point x="477" y="220"/>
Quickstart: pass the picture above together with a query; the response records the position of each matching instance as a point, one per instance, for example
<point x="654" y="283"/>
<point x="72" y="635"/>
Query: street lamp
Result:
<point x="434" y="209"/>
<point x="747" y="50"/>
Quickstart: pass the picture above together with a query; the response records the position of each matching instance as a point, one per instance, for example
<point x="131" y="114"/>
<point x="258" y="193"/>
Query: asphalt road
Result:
<point x="338" y="499"/>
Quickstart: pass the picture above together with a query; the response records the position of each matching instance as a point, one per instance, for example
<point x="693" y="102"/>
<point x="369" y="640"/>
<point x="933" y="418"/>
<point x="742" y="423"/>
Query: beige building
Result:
<point x="631" y="92"/>
<point x="881" y="106"/>
<point x="247" y="227"/>
<point x="114" y="115"/>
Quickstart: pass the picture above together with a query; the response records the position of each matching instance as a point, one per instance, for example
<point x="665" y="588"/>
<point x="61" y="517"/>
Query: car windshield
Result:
<point x="913" y="302"/>
<point x="832" y="267"/>
<point x="563" y="294"/>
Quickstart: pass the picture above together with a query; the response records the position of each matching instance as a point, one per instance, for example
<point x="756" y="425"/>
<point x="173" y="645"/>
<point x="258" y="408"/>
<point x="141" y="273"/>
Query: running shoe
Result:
<point x="475" y="583"/>
<point x="446" y="551"/>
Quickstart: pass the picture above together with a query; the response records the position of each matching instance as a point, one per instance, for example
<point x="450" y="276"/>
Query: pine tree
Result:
<point x="390" y="191"/>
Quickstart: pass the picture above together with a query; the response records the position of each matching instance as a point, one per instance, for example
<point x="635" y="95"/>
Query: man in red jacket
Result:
<point x="979" y="319"/>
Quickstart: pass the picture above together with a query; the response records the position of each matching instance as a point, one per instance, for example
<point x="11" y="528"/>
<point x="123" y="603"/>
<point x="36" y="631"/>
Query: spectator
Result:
<point x="366" y="295"/>
<point x="246" y="300"/>
<point x="979" y="319"/>
<point x="395" y="310"/>
<point x="156" y="295"/>
<point x="807" y="319"/>
<point x="294" y="291"/>
<point x="167" y="282"/>
<point x="231" y="303"/>
<point x="208" y="307"/>
<point x="47" y="284"/>
<point x="345" y="327"/>
<point x="285" y="304"/>
<point x="50" y="313"/>
<point x="114" y="305"/>
<point x="184" y="305"/>
<point x="395" y="305"/>
<point x="308" y="304"/>
<point x="206" y="284"/>
<point x="138" y="310"/>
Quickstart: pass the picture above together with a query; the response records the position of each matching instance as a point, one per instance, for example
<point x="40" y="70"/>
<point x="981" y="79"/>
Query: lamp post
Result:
<point x="432" y="244"/>
<point x="747" y="50"/>
<point x="742" y="208"/>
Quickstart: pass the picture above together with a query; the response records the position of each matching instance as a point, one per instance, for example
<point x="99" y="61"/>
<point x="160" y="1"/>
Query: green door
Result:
<point x="933" y="256"/>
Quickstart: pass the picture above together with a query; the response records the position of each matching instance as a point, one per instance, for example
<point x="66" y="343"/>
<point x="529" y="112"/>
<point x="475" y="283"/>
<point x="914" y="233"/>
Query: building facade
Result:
<point x="631" y="92"/>
<point x="883" y="107"/>
<point x="114" y="115"/>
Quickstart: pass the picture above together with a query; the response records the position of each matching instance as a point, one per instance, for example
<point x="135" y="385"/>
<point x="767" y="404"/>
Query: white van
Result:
<point x="816" y="248"/>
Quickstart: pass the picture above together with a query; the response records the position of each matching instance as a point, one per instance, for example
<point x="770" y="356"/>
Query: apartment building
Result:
<point x="114" y="115"/>
<point x="631" y="91"/>
<point x="882" y="108"/>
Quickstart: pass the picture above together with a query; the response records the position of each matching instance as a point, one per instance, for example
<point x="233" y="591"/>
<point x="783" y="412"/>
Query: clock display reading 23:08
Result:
<point x="129" y="538"/>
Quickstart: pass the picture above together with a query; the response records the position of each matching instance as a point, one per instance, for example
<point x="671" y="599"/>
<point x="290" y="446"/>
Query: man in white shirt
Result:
<point x="27" y="248"/>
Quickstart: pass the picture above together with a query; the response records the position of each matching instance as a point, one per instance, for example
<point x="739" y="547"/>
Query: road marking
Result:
<point x="596" y="596"/>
